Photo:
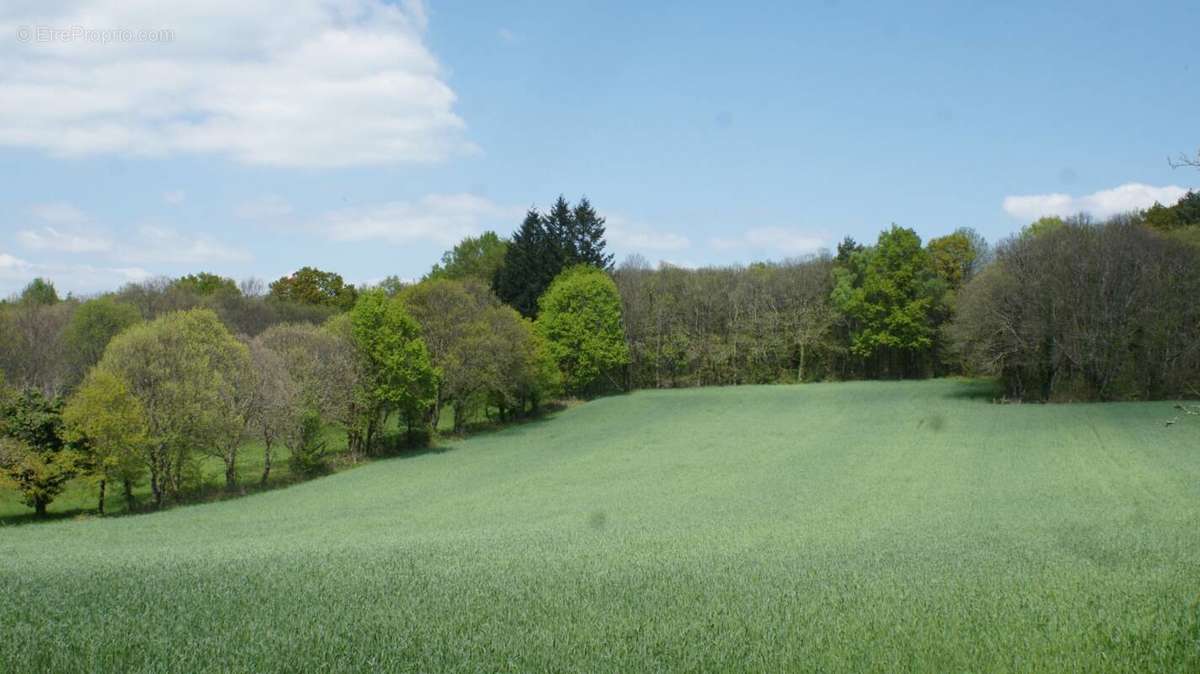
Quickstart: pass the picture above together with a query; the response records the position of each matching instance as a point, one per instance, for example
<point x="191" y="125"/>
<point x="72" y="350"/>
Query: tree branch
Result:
<point x="1183" y="161"/>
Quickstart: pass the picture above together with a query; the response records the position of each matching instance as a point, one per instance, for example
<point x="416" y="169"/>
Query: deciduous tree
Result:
<point x="580" y="320"/>
<point x="310" y="285"/>
<point x="476" y="257"/>
<point x="397" y="373"/>
<point x="34" y="457"/>
<point x="104" y="417"/>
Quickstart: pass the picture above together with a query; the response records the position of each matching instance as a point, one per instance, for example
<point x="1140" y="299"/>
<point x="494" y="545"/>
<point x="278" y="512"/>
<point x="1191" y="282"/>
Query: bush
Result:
<point x="310" y="456"/>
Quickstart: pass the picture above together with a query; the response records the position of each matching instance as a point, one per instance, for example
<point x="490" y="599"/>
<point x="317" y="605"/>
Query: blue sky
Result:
<point x="365" y="137"/>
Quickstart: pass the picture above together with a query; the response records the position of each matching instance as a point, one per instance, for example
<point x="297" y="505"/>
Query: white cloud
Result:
<point x="507" y="36"/>
<point x="68" y="230"/>
<point x="50" y="238"/>
<point x="174" y="197"/>
<point x="16" y="272"/>
<point x="266" y="207"/>
<point x="156" y="244"/>
<point x="624" y="235"/>
<point x="10" y="266"/>
<point x="1102" y="204"/>
<point x="773" y="240"/>
<point x="279" y="82"/>
<point x="437" y="218"/>
<point x="63" y="228"/>
<point x="59" y="213"/>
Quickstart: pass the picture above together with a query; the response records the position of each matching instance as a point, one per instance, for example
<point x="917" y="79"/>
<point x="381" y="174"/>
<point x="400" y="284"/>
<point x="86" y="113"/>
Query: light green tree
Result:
<point x="397" y="373"/>
<point x="580" y="319"/>
<point x="476" y="257"/>
<point x="183" y="367"/>
<point x="105" y="418"/>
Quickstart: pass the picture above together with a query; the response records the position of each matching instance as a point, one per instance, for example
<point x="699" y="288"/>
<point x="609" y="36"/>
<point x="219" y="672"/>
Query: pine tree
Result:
<point x="546" y="244"/>
<point x="588" y="236"/>
<point x="530" y="263"/>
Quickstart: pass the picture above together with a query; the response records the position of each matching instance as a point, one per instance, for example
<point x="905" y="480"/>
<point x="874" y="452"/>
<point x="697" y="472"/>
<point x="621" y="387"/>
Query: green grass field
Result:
<point x="834" y="527"/>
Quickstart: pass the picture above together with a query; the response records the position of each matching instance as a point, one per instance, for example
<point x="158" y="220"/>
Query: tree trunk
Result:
<point x="369" y="438"/>
<point x="130" y="503"/>
<point x="231" y="469"/>
<point x="800" y="367"/>
<point x="437" y="409"/>
<point x="266" y="464"/>
<point x="155" y="486"/>
<point x="100" y="504"/>
<point x="39" y="507"/>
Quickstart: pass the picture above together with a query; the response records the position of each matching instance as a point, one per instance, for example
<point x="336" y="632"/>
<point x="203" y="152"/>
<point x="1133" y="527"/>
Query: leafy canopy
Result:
<point x="477" y="257"/>
<point x="34" y="457"/>
<point x="580" y="320"/>
<point x="887" y="291"/>
<point x="310" y="285"/>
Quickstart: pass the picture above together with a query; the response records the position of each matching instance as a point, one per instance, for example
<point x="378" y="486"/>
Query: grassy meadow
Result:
<point x="870" y="526"/>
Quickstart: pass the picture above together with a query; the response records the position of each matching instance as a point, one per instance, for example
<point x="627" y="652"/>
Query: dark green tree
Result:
<point x="310" y="285"/>
<point x="889" y="293"/>
<point x="204" y="284"/>
<point x="533" y="259"/>
<point x="92" y="327"/>
<point x="545" y="245"/>
<point x="587" y="237"/>
<point x="39" y="292"/>
<point x="33" y="455"/>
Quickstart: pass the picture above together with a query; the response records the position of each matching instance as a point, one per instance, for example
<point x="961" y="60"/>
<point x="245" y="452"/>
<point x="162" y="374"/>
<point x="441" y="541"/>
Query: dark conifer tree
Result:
<point x="546" y="244"/>
<point x="588" y="236"/>
<point x="530" y="264"/>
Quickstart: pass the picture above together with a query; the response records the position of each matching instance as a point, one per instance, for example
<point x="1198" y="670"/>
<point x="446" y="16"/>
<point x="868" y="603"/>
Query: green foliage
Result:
<point x="104" y="417"/>
<point x="397" y="373"/>
<point x="92" y="327"/>
<point x="39" y="292"/>
<point x="1181" y="221"/>
<point x="1042" y="226"/>
<point x="34" y="458"/>
<point x="475" y="257"/>
<point x="889" y="293"/>
<point x="765" y="323"/>
<point x="580" y="320"/>
<point x="310" y="456"/>
<point x="544" y="246"/>
<point x="751" y="529"/>
<point x="205" y="284"/>
<point x="309" y="285"/>
<point x="186" y="369"/>
<point x="953" y="257"/>
<point x="452" y="319"/>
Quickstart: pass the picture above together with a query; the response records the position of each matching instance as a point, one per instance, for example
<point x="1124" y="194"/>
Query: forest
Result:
<point x="139" y="385"/>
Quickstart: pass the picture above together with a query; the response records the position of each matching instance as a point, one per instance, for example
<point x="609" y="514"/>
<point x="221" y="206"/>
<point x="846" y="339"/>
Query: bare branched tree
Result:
<point x="1184" y="160"/>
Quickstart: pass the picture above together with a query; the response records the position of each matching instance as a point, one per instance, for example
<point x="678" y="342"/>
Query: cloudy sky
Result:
<point x="140" y="137"/>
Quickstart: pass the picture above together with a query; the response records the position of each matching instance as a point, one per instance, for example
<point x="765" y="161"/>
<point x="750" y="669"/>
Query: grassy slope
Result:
<point x="861" y="526"/>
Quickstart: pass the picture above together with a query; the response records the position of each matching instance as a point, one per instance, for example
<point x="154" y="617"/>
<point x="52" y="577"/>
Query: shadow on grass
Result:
<point x="207" y="493"/>
<point x="392" y="445"/>
<point x="489" y="426"/>
<point x="982" y="390"/>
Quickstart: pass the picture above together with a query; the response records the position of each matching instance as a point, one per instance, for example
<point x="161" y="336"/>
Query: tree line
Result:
<point x="140" y="386"/>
